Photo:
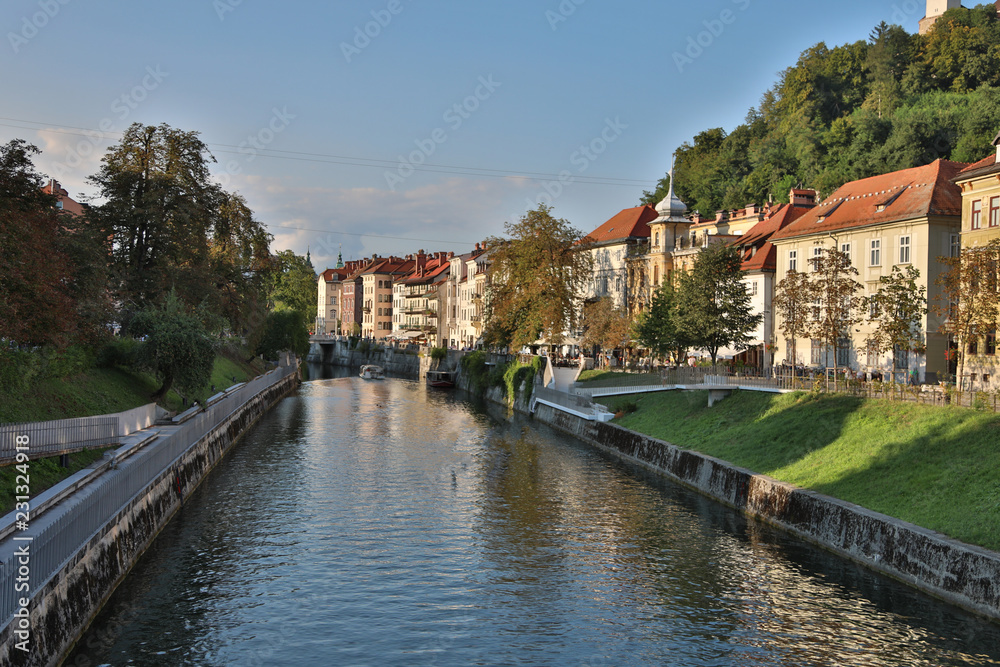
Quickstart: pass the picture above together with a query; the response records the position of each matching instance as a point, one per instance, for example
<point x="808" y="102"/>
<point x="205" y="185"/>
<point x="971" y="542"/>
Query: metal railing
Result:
<point x="56" y="538"/>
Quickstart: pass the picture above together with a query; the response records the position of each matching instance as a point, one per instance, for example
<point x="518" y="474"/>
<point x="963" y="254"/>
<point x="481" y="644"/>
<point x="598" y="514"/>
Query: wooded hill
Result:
<point x="894" y="101"/>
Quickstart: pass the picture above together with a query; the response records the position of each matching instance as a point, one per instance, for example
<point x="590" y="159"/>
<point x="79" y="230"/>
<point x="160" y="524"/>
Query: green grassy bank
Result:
<point x="95" y="391"/>
<point x="937" y="467"/>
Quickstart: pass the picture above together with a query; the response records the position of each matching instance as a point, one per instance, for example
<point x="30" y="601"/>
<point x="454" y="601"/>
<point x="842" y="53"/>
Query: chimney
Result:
<point x="477" y="246"/>
<point x="721" y="216"/>
<point x="996" y="142"/>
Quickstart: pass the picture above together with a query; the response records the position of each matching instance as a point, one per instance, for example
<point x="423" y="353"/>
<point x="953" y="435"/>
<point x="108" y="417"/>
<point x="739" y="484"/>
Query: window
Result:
<point x="991" y="343"/>
<point x="994" y="211"/>
<point x="977" y="214"/>
<point x="793" y="260"/>
<point x="954" y="245"/>
<point x="904" y="249"/>
<point x="817" y="253"/>
<point x="875" y="256"/>
<point x="872" y="355"/>
<point x="816" y="351"/>
<point x="902" y="358"/>
<point x="974" y="345"/>
<point x="843" y="352"/>
<point x="752" y="288"/>
<point x="657" y="242"/>
<point x="815" y="310"/>
<point x="846" y="249"/>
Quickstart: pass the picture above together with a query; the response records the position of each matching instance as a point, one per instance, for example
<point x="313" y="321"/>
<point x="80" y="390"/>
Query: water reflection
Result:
<point x="385" y="523"/>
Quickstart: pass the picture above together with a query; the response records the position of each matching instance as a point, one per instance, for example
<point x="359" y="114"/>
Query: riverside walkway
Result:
<point x="57" y="523"/>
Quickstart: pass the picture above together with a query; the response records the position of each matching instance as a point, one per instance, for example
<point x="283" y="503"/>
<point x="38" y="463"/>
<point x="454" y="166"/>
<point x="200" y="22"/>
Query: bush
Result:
<point x="118" y="353"/>
<point x="623" y="406"/>
<point x="474" y="367"/>
<point x="439" y="353"/>
<point x="518" y="374"/>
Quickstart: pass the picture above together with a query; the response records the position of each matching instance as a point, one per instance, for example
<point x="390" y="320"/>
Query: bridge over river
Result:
<point x="383" y="523"/>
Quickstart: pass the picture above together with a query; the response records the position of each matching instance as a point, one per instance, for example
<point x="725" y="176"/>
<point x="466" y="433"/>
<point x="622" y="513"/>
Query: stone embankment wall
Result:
<point x="63" y="610"/>
<point x="961" y="574"/>
<point x="964" y="575"/>
<point x="397" y="362"/>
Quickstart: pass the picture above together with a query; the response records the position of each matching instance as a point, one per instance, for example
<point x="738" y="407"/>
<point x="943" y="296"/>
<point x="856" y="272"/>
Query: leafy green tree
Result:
<point x="714" y="309"/>
<point x="837" y="305"/>
<point x="658" y="327"/>
<point x="160" y="211"/>
<point x="175" y="346"/>
<point x="896" y="311"/>
<point x="294" y="285"/>
<point x="284" y="330"/>
<point x="535" y="280"/>
<point x="659" y="194"/>
<point x="792" y="304"/>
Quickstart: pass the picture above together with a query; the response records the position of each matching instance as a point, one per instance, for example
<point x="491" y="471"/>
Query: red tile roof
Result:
<point x="901" y="195"/>
<point x="765" y="256"/>
<point x="629" y="223"/>
<point x="987" y="165"/>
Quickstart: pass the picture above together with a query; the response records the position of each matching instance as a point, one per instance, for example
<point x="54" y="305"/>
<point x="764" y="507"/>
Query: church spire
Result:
<point x="340" y="256"/>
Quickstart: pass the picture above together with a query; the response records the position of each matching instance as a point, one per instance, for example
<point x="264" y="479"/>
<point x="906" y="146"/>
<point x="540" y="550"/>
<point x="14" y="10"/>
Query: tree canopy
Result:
<point x="536" y="276"/>
<point x="714" y="309"/>
<point x="894" y="101"/>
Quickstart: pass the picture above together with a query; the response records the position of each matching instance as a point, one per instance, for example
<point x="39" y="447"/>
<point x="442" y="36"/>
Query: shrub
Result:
<point x="118" y="353"/>
<point x="439" y="353"/>
<point x="623" y="406"/>
<point x="474" y="367"/>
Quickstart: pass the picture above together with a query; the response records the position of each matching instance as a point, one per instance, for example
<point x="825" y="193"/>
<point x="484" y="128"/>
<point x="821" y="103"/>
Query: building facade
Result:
<point x="904" y="218"/>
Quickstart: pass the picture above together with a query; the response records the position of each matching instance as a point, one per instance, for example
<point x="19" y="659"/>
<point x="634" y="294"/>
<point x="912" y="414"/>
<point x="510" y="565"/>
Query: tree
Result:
<point x="241" y="266"/>
<point x="714" y="308"/>
<point x="160" y="211"/>
<point x="792" y="303"/>
<point x="896" y="310"/>
<point x="658" y="327"/>
<point x="294" y="285"/>
<point x="971" y="296"/>
<point x="284" y="330"/>
<point x="659" y="194"/>
<point x="836" y="301"/>
<point x="175" y="346"/>
<point x="604" y="324"/>
<point x="535" y="280"/>
<point x="51" y="264"/>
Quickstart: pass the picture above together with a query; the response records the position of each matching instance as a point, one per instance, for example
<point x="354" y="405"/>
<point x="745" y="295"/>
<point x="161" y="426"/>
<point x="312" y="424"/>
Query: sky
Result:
<point x="389" y="126"/>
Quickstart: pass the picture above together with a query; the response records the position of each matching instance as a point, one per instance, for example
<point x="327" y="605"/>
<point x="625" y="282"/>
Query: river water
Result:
<point x="383" y="523"/>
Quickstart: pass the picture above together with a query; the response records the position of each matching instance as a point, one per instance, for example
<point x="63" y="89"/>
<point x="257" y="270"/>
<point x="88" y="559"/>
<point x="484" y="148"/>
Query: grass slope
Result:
<point x="938" y="467"/>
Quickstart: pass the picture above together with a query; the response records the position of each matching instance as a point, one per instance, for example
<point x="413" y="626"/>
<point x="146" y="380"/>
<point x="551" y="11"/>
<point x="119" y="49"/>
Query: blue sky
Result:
<point x="327" y="115"/>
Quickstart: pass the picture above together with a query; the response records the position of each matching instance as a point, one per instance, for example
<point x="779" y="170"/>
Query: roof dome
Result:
<point x="671" y="206"/>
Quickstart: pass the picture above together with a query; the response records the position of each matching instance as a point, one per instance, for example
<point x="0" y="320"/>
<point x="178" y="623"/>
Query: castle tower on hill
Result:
<point x="935" y="8"/>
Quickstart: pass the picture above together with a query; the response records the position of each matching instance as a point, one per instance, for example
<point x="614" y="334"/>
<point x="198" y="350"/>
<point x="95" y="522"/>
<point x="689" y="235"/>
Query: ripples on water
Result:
<point x="381" y="523"/>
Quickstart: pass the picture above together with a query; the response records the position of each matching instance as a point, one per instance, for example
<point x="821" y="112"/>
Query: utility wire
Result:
<point x="353" y="161"/>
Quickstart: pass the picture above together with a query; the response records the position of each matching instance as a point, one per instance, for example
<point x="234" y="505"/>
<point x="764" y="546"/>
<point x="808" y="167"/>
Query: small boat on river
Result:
<point x="440" y="379"/>
<point x="372" y="372"/>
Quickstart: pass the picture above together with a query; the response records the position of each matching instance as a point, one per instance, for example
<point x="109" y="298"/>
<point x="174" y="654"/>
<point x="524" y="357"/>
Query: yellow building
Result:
<point x="980" y="186"/>
<point x="909" y="217"/>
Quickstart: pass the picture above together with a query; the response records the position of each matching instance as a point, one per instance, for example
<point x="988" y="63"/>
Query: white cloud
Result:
<point x="451" y="214"/>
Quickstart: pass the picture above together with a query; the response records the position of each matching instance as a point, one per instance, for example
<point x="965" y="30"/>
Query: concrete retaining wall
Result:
<point x="964" y="575"/>
<point x="68" y="603"/>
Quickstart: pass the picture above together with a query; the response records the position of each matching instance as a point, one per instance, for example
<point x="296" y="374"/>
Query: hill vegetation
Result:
<point x="894" y="101"/>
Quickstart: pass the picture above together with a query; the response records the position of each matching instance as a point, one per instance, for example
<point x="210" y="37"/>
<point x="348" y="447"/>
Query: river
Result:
<point x="384" y="523"/>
